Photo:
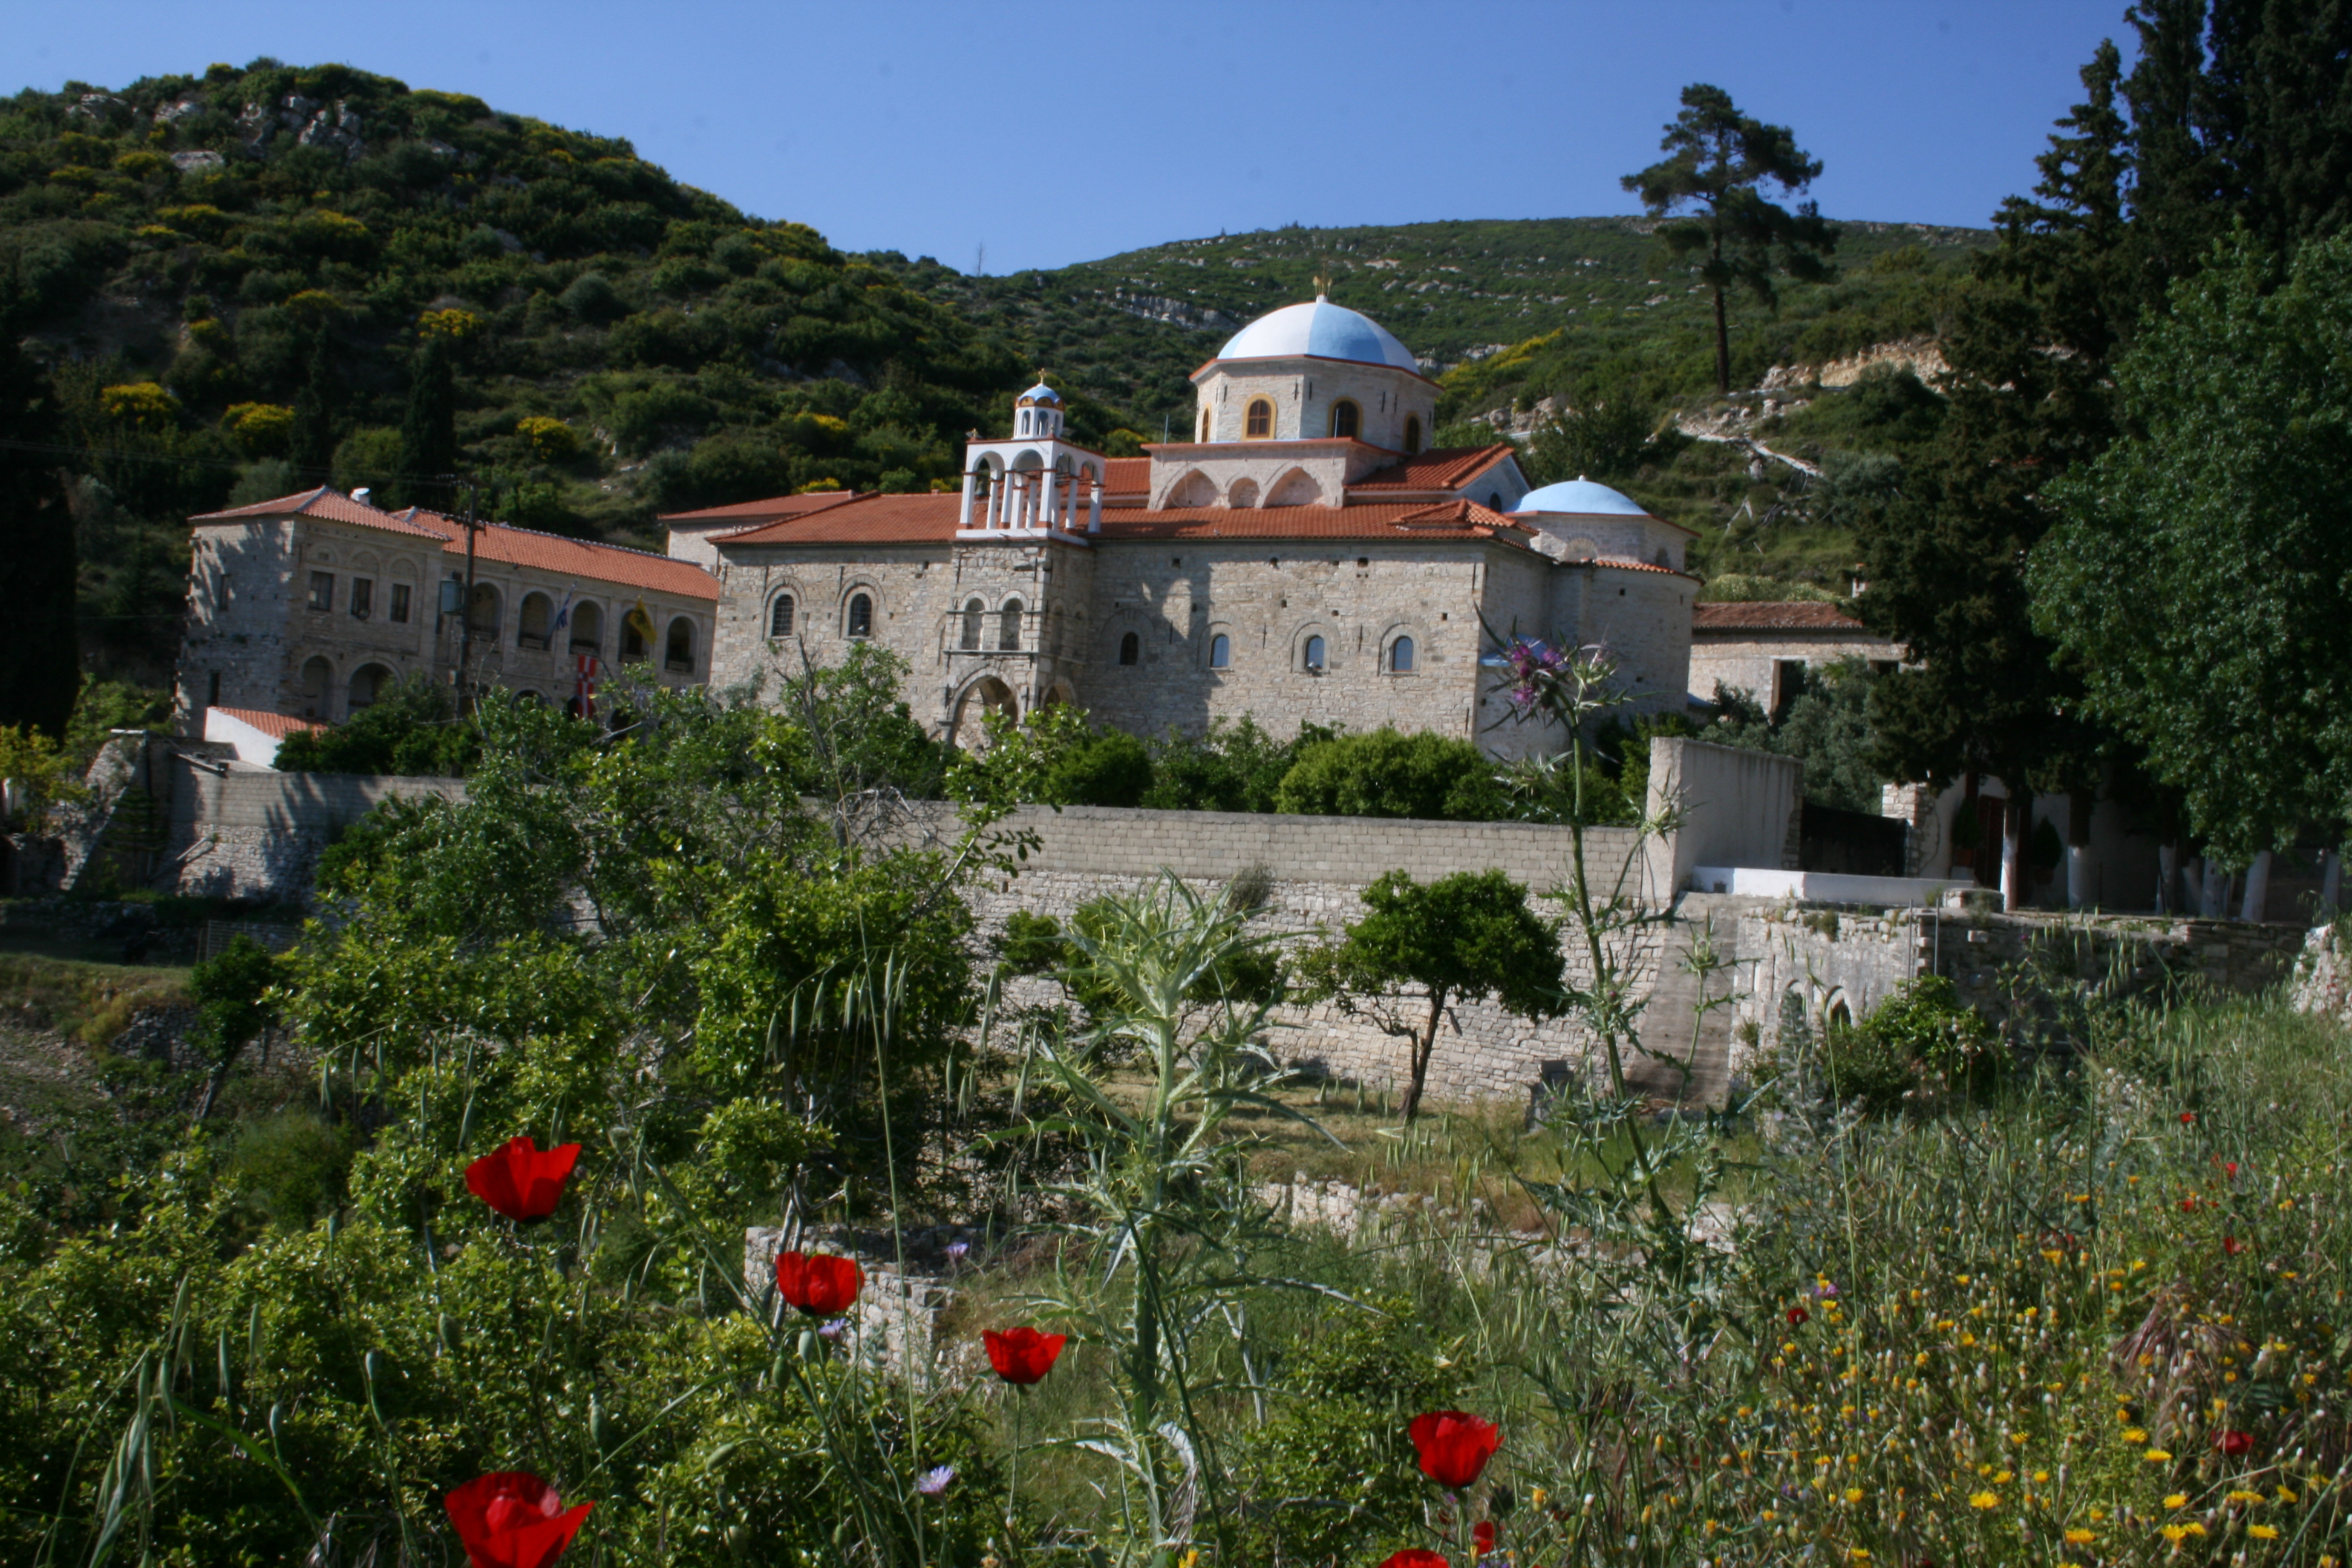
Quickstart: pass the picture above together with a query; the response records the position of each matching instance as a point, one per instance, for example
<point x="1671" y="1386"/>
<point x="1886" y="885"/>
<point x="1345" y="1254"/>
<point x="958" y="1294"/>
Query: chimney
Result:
<point x="361" y="495"/>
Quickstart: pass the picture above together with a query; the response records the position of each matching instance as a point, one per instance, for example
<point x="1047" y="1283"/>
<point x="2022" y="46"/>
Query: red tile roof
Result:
<point x="1772" y="616"/>
<point x="495" y="542"/>
<point x="324" y="502"/>
<point x="1439" y="469"/>
<point x="872" y="518"/>
<point x="931" y="519"/>
<point x="571" y="557"/>
<point x="279" y="725"/>
<point x="1126" y="476"/>
<point x="752" y="512"/>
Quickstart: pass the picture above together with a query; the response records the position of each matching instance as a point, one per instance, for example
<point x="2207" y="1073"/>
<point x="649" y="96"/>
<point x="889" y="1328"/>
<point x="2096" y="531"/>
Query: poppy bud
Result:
<point x="1023" y="1355"/>
<point x="2234" y="1444"/>
<point x="1482" y="1537"/>
<point x="1798" y="1317"/>
<point x="1453" y="1445"/>
<point x="817" y="1283"/>
<point x="2232" y="1246"/>
<point x="520" y="1179"/>
<point x="511" y="1519"/>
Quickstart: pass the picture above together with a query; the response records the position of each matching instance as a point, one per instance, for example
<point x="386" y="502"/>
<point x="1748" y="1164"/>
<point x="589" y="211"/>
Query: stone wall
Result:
<point x="1839" y="964"/>
<point x="259" y="835"/>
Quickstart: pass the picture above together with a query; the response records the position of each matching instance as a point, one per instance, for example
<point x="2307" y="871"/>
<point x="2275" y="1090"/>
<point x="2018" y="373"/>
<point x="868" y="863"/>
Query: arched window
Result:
<point x="1259" y="423"/>
<point x="1220" y="652"/>
<point x="1314" y="657"/>
<point x="1401" y="656"/>
<point x="973" y="612"/>
<point x="861" y="616"/>
<point x="635" y="629"/>
<point x="538" y="618"/>
<point x="1130" y="649"/>
<point x="1346" y="419"/>
<point x="368" y="682"/>
<point x="679" y="653"/>
<point x="486" y="618"/>
<point x="587" y="629"/>
<point x="1494" y="500"/>
<point x="1412" y="434"/>
<point x="780" y="616"/>
<point x="1205" y="423"/>
<point x="1008" y="627"/>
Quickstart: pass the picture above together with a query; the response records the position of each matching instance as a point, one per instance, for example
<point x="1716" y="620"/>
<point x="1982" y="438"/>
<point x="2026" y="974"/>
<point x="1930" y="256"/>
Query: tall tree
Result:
<point x="312" y="452"/>
<point x="428" y="431"/>
<point x="2202" y="575"/>
<point x="40" y="664"/>
<point x="1719" y="161"/>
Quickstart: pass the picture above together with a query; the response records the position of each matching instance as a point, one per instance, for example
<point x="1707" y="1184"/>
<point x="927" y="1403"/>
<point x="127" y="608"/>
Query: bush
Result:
<point x="413" y="731"/>
<point x="1384" y="773"/>
<point x="1920" y="1038"/>
<point x="1236" y="766"/>
<point x="1112" y="769"/>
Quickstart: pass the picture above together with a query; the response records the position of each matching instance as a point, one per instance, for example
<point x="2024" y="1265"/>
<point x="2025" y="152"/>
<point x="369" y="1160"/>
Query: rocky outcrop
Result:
<point x="308" y="121"/>
<point x="1923" y="357"/>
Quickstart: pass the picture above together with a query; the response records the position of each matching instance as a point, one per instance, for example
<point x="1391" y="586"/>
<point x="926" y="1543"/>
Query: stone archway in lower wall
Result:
<point x="982" y="696"/>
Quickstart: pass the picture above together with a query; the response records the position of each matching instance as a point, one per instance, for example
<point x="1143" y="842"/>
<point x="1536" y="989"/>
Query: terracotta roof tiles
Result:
<point x="1439" y="469"/>
<point x="324" y="503"/>
<point x="279" y="725"/>
<point x="752" y="512"/>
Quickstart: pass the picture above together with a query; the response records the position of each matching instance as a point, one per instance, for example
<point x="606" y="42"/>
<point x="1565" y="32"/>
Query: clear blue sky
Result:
<point x="1054" y="133"/>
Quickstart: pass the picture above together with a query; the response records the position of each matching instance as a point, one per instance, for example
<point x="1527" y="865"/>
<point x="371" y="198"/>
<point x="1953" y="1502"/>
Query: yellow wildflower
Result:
<point x="2157" y="1456"/>
<point x="2173" y="1534"/>
<point x="2135" y="1435"/>
<point x="2078" y="1536"/>
<point x="2262" y="1532"/>
<point x="1984" y="1500"/>
<point x="1853" y="1494"/>
<point x="2178" y="1500"/>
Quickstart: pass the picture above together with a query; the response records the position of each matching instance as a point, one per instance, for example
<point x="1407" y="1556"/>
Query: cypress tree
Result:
<point x="39" y="658"/>
<point x="313" y="449"/>
<point x="428" y="431"/>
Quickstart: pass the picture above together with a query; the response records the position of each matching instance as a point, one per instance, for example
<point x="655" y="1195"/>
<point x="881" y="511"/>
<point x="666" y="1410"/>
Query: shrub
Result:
<point x="290" y="1167"/>
<point x="1384" y="773"/>
<point x="411" y="731"/>
<point x="141" y="403"/>
<point x="551" y="441"/>
<point x="263" y="429"/>
<point x="1112" y="769"/>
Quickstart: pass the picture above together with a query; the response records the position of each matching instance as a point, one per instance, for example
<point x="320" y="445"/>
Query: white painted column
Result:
<point x="2258" y="888"/>
<point x="2012" y="853"/>
<point x="1094" y="507"/>
<point x="2078" y="875"/>
<point x="2213" y="899"/>
<point x="964" y="513"/>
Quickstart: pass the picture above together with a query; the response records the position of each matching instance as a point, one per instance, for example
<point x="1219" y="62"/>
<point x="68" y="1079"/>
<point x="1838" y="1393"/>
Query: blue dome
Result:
<point x="1578" y="495"/>
<point x="1323" y="330"/>
<point x="1041" y="393"/>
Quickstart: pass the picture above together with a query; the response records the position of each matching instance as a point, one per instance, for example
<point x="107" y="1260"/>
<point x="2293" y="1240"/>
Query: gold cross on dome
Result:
<point x="1322" y="284"/>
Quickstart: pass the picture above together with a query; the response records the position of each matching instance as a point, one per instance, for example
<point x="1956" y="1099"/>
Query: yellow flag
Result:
<point x="641" y="621"/>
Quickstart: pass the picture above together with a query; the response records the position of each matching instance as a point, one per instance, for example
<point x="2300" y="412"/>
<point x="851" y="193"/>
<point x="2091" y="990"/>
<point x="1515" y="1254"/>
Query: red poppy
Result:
<point x="522" y="1181"/>
<point x="817" y="1283"/>
<point x="2232" y="1246"/>
<point x="2231" y="1167"/>
<point x="1454" y="1445"/>
<point x="511" y="1519"/>
<point x="1415" y="1557"/>
<point x="2234" y="1444"/>
<point x="1023" y="1355"/>
<point x="1482" y="1537"/>
<point x="2189" y="1119"/>
<point x="1799" y="1317"/>
<point x="2188" y="1206"/>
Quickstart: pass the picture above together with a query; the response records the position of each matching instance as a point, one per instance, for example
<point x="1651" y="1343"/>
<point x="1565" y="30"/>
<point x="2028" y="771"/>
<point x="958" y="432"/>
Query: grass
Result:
<point x="91" y="1002"/>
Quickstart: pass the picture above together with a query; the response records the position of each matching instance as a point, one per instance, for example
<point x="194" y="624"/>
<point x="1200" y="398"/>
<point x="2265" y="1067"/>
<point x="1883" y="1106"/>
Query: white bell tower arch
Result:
<point x="1034" y="483"/>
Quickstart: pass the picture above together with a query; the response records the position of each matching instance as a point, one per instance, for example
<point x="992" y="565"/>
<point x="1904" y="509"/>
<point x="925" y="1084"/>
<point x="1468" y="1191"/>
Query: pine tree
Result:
<point x="39" y="659"/>
<point x="428" y="432"/>
<point x="1721" y="160"/>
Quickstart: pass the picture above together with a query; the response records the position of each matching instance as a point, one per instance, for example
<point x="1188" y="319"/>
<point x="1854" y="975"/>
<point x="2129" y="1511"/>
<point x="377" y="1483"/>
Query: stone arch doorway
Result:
<point x="983" y="697"/>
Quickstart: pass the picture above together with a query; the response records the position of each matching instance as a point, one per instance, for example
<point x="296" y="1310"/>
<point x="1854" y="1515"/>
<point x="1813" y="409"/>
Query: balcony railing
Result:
<point x="982" y="636"/>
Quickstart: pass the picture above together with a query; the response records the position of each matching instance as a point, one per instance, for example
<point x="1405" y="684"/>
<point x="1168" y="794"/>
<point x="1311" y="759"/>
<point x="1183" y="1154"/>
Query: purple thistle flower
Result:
<point x="834" y="1328"/>
<point x="931" y="1483"/>
<point x="1823" y="1291"/>
<point x="957" y="1250"/>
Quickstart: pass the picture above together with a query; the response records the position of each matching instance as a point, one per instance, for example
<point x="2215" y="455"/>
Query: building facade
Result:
<point x="1308" y="559"/>
<point x="309" y="605"/>
<point x="1765" y="648"/>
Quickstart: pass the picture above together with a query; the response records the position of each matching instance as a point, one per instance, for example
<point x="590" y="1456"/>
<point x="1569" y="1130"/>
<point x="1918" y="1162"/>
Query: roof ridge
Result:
<point x="560" y="538"/>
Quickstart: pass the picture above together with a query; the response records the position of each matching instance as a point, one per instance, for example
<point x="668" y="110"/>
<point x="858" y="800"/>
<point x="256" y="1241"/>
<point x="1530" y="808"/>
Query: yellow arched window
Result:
<point x="1257" y="425"/>
<point x="1411" y="433"/>
<point x="1205" y="423"/>
<point x="1346" y="419"/>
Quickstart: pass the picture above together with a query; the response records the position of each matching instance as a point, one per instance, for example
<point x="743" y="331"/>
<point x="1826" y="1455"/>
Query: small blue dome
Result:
<point x="1319" y="330"/>
<point x="1041" y="393"/>
<point x="1580" y="495"/>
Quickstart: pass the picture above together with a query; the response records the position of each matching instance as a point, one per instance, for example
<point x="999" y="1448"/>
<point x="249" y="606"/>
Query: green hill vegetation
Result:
<point x="242" y="281"/>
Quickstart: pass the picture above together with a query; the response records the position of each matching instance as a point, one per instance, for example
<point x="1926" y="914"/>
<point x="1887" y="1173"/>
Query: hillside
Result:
<point x="231" y="275"/>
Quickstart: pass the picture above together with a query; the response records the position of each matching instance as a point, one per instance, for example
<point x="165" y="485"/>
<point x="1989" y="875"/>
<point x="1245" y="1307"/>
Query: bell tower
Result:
<point x="1034" y="483"/>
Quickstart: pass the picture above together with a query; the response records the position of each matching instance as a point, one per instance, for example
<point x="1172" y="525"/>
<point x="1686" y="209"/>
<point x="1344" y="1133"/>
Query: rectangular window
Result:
<point x="363" y="597"/>
<point x="400" y="602"/>
<point x="323" y="590"/>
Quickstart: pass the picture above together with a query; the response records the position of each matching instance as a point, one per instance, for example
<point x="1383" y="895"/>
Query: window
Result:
<point x="1401" y="656"/>
<point x="1259" y="423"/>
<point x="322" y="591"/>
<point x="1205" y="423"/>
<point x="1412" y="434"/>
<point x="587" y="629"/>
<point x="1346" y="419"/>
<point x="211" y="690"/>
<point x="1220" y="652"/>
<point x="974" y="612"/>
<point x="1130" y="650"/>
<point x="537" y="629"/>
<point x="861" y="616"/>
<point x="679" y="654"/>
<point x="368" y="682"/>
<point x="400" y="603"/>
<point x="1315" y="653"/>
<point x="780" y="616"/>
<point x="1008" y="627"/>
<point x="634" y="628"/>
<point x="363" y="597"/>
<point x="487" y="614"/>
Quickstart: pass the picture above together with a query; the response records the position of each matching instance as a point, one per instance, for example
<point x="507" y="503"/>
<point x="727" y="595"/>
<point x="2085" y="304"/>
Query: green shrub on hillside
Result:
<point x="411" y="731"/>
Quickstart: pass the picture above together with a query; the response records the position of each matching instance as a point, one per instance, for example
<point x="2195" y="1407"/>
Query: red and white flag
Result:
<point x="586" y="693"/>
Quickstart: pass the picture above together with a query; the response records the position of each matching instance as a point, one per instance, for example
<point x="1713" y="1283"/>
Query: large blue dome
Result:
<point x="1321" y="330"/>
<point x="1580" y="495"/>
